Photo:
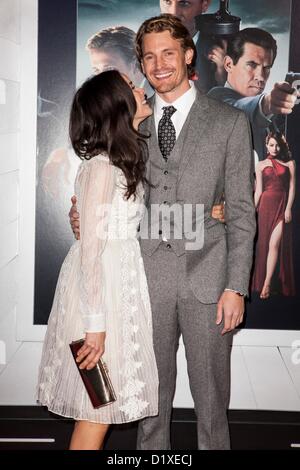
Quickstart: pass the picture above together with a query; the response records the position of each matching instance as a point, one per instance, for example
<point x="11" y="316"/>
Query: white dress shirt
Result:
<point x="182" y="105"/>
<point x="196" y="37"/>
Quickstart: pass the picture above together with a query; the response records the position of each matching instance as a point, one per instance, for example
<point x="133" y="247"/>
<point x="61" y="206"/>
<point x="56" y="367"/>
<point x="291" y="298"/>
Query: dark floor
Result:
<point x="259" y="430"/>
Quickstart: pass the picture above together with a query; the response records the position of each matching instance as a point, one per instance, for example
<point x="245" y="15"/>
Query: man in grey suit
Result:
<point x="198" y="292"/>
<point x="248" y="62"/>
<point x="199" y="149"/>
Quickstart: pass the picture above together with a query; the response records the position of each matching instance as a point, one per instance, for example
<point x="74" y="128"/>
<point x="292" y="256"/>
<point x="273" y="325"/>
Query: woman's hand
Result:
<point x="92" y="350"/>
<point x="287" y="216"/>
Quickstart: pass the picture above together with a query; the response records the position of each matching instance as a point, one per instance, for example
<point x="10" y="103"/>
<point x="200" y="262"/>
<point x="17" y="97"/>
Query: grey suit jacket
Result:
<point x="216" y="159"/>
<point x="250" y="105"/>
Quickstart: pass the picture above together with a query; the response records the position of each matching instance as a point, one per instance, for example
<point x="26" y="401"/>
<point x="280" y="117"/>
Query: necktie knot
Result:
<point x="169" y="111"/>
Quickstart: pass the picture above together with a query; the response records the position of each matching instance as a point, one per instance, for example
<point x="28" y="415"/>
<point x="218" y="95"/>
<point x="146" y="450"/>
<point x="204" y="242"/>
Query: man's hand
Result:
<point x="91" y="351"/>
<point x="281" y="100"/>
<point x="74" y="218"/>
<point x="231" y="307"/>
<point x="218" y="212"/>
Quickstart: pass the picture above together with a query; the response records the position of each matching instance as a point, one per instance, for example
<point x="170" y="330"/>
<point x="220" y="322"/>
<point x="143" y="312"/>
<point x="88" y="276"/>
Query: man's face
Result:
<point x="105" y="59"/>
<point x="165" y="64"/>
<point x="186" y="10"/>
<point x="249" y="76"/>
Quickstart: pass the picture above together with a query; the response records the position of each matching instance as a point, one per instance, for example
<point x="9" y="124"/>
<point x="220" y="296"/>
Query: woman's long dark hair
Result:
<point x="285" y="154"/>
<point x="101" y="120"/>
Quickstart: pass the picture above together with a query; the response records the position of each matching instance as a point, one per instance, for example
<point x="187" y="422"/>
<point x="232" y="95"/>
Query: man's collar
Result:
<point x="180" y="103"/>
<point x="196" y="37"/>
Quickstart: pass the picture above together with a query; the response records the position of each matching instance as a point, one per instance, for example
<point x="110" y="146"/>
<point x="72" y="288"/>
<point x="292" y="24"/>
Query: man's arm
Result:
<point x="241" y="225"/>
<point x="240" y="210"/>
<point x="250" y="105"/>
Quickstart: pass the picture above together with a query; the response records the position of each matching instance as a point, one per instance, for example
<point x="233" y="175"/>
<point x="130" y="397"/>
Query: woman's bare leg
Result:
<point x="272" y="259"/>
<point x="88" y="436"/>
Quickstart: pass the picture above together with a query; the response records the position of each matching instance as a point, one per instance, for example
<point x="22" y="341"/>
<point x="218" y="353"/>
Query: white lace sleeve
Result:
<point x="96" y="192"/>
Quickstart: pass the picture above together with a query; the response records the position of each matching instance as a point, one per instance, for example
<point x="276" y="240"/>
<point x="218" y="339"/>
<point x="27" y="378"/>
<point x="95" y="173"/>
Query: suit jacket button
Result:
<point x="160" y="232"/>
<point x="166" y="172"/>
<point x="165" y="188"/>
<point x="168" y="245"/>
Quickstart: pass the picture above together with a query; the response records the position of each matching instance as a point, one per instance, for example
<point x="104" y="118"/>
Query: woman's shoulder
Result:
<point x="101" y="157"/>
<point x="291" y="164"/>
<point x="262" y="164"/>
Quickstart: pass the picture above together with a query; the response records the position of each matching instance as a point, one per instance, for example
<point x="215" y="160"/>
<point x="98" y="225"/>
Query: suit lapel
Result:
<point x="197" y="126"/>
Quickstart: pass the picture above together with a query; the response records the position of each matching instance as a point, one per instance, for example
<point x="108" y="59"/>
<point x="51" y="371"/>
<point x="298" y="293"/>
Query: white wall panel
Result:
<point x="8" y="288"/>
<point x="9" y="197"/>
<point x="272" y="386"/>
<point x="10" y="60"/>
<point x="8" y="341"/>
<point x="10" y="110"/>
<point x="19" y="378"/>
<point x="9" y="152"/>
<point x="291" y="358"/>
<point x="8" y="243"/>
<point x="10" y="20"/>
<point x="241" y="395"/>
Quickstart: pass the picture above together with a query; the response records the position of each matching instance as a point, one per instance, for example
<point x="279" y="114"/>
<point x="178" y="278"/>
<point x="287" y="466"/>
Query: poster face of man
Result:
<point x="251" y="72"/>
<point x="102" y="60"/>
<point x="186" y="10"/>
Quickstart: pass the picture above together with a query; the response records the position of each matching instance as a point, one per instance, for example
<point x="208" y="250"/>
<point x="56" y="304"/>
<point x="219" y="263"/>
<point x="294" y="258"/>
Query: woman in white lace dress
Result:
<point x="102" y="293"/>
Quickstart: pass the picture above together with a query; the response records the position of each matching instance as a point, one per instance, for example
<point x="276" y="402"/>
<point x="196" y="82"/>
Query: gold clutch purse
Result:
<point x="96" y="381"/>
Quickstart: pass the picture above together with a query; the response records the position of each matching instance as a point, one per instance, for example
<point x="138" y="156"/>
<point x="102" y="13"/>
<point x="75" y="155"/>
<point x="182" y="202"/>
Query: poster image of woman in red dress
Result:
<point x="274" y="197"/>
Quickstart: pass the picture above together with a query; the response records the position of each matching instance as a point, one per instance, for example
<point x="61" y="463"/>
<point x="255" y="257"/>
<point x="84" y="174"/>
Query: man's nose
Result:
<point x="260" y="74"/>
<point x="159" y="62"/>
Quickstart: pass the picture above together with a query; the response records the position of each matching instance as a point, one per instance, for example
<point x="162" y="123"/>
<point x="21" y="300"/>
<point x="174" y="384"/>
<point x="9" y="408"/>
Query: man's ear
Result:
<point x="228" y="63"/>
<point x="189" y="54"/>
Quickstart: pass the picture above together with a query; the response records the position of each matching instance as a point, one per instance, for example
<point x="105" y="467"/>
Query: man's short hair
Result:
<point x="259" y="37"/>
<point x="118" y="39"/>
<point x="166" y="22"/>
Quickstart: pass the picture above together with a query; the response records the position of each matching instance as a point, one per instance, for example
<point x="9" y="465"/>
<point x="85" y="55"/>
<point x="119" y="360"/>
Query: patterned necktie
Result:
<point x="166" y="132"/>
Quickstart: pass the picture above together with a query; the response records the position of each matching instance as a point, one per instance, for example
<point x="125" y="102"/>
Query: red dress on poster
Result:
<point x="271" y="208"/>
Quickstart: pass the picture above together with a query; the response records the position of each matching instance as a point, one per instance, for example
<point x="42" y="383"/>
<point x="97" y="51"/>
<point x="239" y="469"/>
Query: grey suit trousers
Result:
<point x="175" y="310"/>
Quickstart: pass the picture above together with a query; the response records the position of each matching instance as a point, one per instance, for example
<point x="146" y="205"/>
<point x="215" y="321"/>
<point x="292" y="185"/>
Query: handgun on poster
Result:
<point x="294" y="80"/>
